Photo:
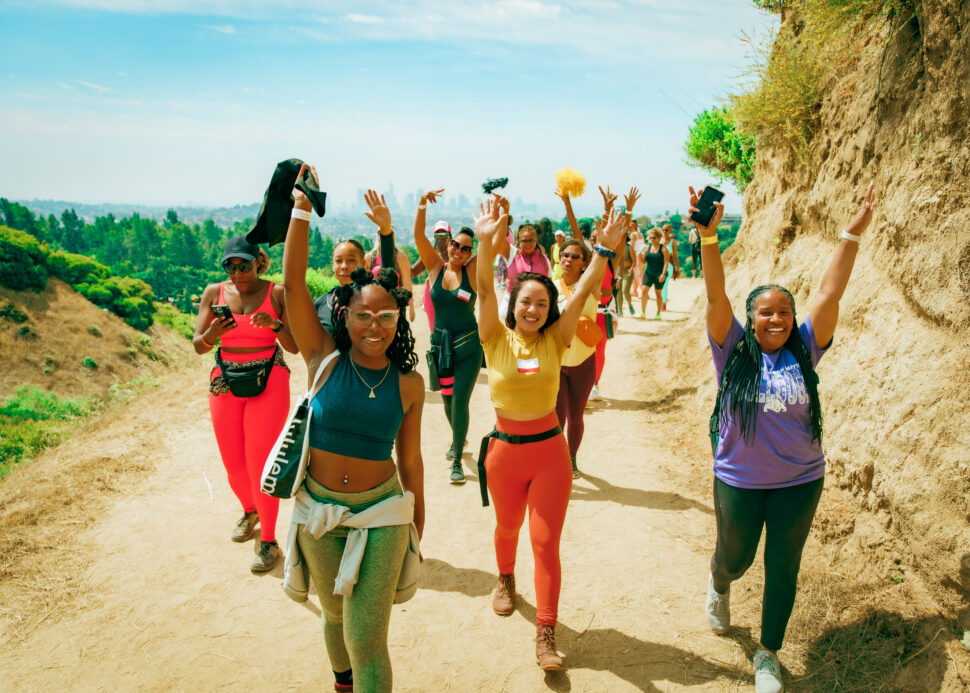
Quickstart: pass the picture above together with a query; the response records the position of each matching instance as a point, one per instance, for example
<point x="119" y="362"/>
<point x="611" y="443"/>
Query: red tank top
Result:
<point x="244" y="334"/>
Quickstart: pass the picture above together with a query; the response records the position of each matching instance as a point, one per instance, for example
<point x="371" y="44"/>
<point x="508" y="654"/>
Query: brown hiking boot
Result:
<point x="546" y="656"/>
<point x="503" y="599"/>
<point x="266" y="557"/>
<point x="243" y="530"/>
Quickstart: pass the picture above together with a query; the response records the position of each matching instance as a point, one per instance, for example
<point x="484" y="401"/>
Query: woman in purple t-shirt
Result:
<point x="766" y="432"/>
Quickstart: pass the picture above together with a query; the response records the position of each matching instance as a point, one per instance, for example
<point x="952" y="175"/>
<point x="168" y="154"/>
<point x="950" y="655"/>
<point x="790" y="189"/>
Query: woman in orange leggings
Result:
<point x="525" y="461"/>
<point x="248" y="424"/>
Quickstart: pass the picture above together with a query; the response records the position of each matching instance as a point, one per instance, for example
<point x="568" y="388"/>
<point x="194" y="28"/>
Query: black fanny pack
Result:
<point x="447" y="347"/>
<point x="245" y="380"/>
<point x="507" y="438"/>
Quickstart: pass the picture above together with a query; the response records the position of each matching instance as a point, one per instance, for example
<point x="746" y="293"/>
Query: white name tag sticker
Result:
<point x="464" y="295"/>
<point x="528" y="365"/>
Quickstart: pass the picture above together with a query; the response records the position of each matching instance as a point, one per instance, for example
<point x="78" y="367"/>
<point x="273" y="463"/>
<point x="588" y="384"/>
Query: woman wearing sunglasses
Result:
<point x="370" y="403"/>
<point x="246" y="427"/>
<point x="456" y="353"/>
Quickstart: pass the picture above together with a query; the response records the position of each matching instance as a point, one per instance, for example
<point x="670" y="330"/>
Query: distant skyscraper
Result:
<point x="361" y="193"/>
<point x="409" y="201"/>
<point x="463" y="202"/>
<point x="390" y="198"/>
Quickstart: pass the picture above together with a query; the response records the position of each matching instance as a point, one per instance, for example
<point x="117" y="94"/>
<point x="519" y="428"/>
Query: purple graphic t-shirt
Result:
<point x="782" y="452"/>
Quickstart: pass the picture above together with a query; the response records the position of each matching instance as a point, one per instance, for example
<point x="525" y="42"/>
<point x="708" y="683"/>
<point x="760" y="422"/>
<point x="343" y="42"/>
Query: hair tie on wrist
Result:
<point x="301" y="214"/>
<point x="202" y="337"/>
<point x="850" y="236"/>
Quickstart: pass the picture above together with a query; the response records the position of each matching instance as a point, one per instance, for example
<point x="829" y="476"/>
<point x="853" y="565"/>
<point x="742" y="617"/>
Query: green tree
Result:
<point x="715" y="145"/>
<point x="72" y="233"/>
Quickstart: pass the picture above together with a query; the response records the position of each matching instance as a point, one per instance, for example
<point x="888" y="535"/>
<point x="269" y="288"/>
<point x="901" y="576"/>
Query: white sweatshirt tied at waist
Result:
<point x="319" y="518"/>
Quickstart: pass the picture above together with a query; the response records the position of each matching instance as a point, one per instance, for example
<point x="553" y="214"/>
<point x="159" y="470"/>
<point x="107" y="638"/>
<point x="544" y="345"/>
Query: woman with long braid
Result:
<point x="456" y="351"/>
<point x="368" y="406"/>
<point x="526" y="460"/>
<point x="766" y="433"/>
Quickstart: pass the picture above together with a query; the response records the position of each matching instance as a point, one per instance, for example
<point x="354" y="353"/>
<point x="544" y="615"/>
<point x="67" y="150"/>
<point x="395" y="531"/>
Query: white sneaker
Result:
<point x="594" y="394"/>
<point x="767" y="672"/>
<point x="718" y="608"/>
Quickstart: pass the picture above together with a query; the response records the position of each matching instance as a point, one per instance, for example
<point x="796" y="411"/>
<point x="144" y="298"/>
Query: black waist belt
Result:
<point x="507" y="438"/>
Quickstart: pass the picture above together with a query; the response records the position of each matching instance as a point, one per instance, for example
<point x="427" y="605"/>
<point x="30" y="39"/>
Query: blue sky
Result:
<point x="153" y="102"/>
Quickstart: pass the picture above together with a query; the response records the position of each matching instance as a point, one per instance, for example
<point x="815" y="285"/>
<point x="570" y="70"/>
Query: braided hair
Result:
<point x="401" y="352"/>
<point x="741" y="378"/>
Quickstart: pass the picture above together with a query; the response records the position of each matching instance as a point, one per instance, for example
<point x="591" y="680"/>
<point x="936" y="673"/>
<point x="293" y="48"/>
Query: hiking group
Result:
<point x="543" y="338"/>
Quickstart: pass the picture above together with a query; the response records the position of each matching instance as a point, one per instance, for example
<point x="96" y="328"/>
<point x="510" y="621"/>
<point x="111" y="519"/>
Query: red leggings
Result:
<point x="537" y="476"/>
<point x="246" y="429"/>
<point x="601" y="346"/>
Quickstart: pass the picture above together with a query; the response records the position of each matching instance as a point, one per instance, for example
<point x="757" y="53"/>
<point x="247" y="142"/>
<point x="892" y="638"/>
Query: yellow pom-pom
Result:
<point x="571" y="182"/>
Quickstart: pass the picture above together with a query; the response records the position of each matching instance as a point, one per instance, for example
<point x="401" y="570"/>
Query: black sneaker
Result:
<point x="576" y="473"/>
<point x="243" y="530"/>
<point x="266" y="557"/>
<point x="457" y="474"/>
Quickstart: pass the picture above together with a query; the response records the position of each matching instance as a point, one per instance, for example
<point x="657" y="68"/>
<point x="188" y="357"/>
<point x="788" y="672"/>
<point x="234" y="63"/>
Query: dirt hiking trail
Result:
<point x="156" y="597"/>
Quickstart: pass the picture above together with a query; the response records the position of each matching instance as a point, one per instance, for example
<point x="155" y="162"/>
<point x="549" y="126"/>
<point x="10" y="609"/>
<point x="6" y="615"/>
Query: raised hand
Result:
<point x="710" y="229"/>
<point x="564" y="196"/>
<point x="608" y="198"/>
<point x="379" y="213"/>
<point x="502" y="202"/>
<point x="609" y="232"/>
<point x="861" y="221"/>
<point x="300" y="200"/>
<point x="493" y="220"/>
<point x="431" y="196"/>
<point x="631" y="199"/>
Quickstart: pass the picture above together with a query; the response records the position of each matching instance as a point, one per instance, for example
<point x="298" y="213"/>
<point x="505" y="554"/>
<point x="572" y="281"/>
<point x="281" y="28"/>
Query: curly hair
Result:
<point x="740" y="385"/>
<point x="401" y="352"/>
<point x="520" y="279"/>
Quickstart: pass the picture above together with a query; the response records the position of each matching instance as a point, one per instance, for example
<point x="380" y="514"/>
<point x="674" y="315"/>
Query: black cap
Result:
<point x="238" y="246"/>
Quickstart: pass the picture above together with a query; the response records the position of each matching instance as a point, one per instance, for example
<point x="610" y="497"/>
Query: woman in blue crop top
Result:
<point x="370" y="401"/>
<point x="766" y="433"/>
<point x="456" y="353"/>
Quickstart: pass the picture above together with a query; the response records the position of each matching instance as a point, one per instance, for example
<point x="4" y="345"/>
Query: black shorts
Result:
<point x="652" y="280"/>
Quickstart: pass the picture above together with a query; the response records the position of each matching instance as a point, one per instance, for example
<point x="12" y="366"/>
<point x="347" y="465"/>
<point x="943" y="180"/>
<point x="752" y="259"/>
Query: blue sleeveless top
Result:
<point x="345" y="420"/>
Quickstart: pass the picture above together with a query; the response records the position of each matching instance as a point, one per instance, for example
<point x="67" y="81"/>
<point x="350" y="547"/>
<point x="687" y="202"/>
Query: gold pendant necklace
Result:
<point x="371" y="395"/>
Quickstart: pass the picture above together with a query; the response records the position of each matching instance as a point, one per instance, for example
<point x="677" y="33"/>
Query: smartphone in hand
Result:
<point x="221" y="310"/>
<point x="705" y="205"/>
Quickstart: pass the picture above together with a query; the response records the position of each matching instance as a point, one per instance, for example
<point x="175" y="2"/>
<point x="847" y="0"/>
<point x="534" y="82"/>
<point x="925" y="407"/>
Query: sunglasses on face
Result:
<point x="571" y="256"/>
<point x="463" y="249"/>
<point x="232" y="268"/>
<point x="364" y="318"/>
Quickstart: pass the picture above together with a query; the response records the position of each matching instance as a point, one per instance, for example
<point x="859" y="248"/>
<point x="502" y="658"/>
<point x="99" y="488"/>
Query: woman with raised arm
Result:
<point x="525" y="460"/>
<point x="247" y="425"/>
<point x="656" y="266"/>
<point x="370" y="402"/>
<point x="348" y="256"/>
<point x="455" y="349"/>
<point x="766" y="432"/>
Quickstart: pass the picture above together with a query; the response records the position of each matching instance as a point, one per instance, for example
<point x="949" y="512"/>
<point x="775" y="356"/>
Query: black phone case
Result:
<point x="705" y="206"/>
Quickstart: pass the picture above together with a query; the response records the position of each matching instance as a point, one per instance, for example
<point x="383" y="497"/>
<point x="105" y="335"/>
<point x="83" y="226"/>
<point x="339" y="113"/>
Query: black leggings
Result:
<point x="787" y="515"/>
<point x="695" y="254"/>
<point x="465" y="374"/>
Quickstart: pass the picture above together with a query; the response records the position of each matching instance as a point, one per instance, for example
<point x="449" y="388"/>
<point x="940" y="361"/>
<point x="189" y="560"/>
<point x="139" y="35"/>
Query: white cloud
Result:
<point x="122" y="74"/>
<point x="64" y="85"/>
<point x="364" y="19"/>
<point x="224" y="29"/>
<point x="96" y="87"/>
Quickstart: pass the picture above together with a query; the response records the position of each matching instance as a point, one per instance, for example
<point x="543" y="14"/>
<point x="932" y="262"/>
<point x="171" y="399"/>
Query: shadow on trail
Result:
<point x="441" y="576"/>
<point x="636" y="661"/>
<point x="636" y="497"/>
<point x="667" y="403"/>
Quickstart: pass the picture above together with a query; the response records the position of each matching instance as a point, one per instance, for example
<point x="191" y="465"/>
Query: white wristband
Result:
<point x="422" y="206"/>
<point x="301" y="214"/>
<point x="850" y="237"/>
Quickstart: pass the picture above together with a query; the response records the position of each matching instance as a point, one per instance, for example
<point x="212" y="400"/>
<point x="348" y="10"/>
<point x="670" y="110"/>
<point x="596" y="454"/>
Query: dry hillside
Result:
<point x="895" y="387"/>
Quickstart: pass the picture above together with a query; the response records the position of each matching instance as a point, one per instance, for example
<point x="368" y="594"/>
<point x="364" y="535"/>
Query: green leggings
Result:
<point x="355" y="627"/>
<point x="456" y="404"/>
<point x="786" y="514"/>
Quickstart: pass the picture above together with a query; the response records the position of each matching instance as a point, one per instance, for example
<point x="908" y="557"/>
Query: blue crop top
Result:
<point x="344" y="419"/>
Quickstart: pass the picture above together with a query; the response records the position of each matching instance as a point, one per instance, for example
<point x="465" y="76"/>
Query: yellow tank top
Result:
<point x="577" y="352"/>
<point x="523" y="375"/>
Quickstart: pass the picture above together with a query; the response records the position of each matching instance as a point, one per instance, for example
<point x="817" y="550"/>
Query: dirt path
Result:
<point x="168" y="602"/>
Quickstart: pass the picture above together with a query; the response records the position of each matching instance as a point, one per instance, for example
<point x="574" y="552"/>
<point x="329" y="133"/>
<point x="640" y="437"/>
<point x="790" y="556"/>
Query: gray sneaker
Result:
<point x="266" y="557"/>
<point x="457" y="474"/>
<point x="576" y="473"/>
<point x="718" y="607"/>
<point x="767" y="672"/>
<point x="243" y="531"/>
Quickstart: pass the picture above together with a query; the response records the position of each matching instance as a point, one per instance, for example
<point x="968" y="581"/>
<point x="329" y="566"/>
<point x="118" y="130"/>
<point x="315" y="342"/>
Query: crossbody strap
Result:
<point x="323" y="366"/>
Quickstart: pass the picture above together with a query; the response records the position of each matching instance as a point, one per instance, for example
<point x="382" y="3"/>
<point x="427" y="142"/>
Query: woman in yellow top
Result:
<point x="578" y="372"/>
<point x="527" y="462"/>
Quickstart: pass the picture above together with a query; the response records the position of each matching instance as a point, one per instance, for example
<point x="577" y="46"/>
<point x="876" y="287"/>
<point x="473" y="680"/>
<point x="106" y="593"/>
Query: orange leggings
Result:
<point x="246" y="429"/>
<point x="537" y="476"/>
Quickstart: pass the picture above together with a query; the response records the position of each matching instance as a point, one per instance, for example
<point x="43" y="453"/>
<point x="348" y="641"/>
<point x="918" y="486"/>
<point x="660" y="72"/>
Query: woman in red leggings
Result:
<point x="247" y="426"/>
<point x="526" y="462"/>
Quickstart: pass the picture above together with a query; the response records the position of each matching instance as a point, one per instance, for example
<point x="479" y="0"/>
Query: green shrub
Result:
<point x="89" y="362"/>
<point x="22" y="260"/>
<point x="93" y="329"/>
<point x="167" y="314"/>
<point x="26" y="332"/>
<point x="30" y="402"/>
<point x="10" y="312"/>
<point x="714" y="144"/>
<point x="316" y="282"/>
<point x="76" y="269"/>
